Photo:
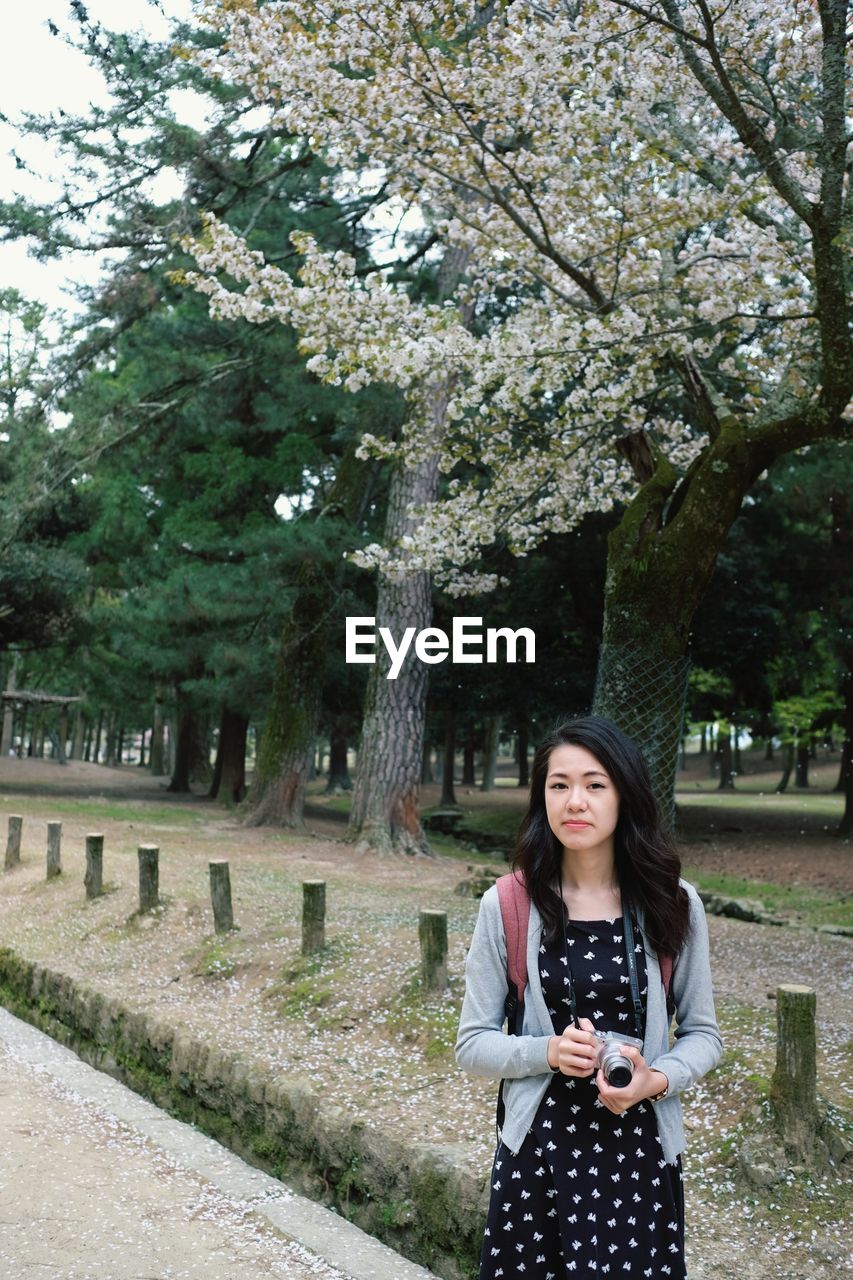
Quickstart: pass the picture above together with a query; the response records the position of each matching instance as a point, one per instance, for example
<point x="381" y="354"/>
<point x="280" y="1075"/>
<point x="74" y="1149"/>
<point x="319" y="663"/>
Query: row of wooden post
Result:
<point x="432" y="929"/>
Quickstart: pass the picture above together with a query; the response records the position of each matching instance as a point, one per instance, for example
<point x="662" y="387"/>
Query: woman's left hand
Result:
<point x="645" y="1083"/>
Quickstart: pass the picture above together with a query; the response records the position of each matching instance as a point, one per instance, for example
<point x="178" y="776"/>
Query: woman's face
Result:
<point x="581" y="800"/>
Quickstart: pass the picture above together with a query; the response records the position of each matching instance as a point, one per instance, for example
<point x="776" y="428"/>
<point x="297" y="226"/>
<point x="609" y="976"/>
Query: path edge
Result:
<point x="416" y="1198"/>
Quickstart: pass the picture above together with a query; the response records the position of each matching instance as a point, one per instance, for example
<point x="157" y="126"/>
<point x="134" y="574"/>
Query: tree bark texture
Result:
<point x="660" y="560"/>
<point x="793" y="1089"/>
<point x="13" y="842"/>
<point x="384" y="814"/>
<point x="54" y="849"/>
<point x="148" y="856"/>
<point x="220" y="897"/>
<point x="94" y="877"/>
<point x="229" y="772"/>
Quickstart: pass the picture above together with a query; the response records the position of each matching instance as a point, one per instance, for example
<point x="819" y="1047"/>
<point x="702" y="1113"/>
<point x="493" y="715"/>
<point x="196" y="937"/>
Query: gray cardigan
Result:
<point x="483" y="1049"/>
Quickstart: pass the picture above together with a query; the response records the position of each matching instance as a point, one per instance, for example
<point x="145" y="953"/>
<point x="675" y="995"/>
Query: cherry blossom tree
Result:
<point x="653" y="204"/>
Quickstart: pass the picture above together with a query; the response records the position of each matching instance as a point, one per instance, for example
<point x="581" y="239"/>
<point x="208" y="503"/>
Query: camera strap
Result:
<point x="630" y="957"/>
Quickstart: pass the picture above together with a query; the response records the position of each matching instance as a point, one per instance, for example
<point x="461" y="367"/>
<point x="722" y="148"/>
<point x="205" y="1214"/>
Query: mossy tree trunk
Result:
<point x="661" y="557"/>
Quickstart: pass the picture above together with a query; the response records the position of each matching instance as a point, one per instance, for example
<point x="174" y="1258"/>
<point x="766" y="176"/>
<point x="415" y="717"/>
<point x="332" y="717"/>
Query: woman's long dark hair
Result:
<point x="647" y="864"/>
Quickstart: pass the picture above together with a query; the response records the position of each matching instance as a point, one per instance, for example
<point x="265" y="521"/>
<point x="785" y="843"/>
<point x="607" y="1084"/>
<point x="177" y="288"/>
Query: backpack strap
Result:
<point x="665" y="961"/>
<point x="515" y="913"/>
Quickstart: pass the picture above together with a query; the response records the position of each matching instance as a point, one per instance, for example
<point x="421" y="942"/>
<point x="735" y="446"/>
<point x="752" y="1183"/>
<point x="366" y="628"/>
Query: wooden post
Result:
<point x="94" y="877"/>
<point x="432" y="931"/>
<point x="313" y="916"/>
<point x="54" y="846"/>
<point x="793" y="1089"/>
<point x="149" y="877"/>
<point x="220" y="897"/>
<point x="13" y="842"/>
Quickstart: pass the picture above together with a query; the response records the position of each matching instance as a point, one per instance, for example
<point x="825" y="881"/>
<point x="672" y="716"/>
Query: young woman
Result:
<point x="587" y="1175"/>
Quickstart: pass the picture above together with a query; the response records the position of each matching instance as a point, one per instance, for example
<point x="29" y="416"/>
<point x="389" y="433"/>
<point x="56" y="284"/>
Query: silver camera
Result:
<point x="618" y="1070"/>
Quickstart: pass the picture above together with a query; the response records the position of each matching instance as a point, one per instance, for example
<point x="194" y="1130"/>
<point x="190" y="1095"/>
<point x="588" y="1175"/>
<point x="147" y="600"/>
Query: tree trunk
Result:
<point x="448" y="794"/>
<point x="11" y="685"/>
<point x="727" y="777"/>
<point x="802" y="779"/>
<point x="180" y="781"/>
<point x="845" y="774"/>
<point x="660" y="560"/>
<point x="78" y="733"/>
<point x="339" y="776"/>
<point x="427" y="775"/>
<point x="468" y="751"/>
<point x="490" y="752"/>
<point x="523" y="745"/>
<point x="736" y="751"/>
<point x="768" y="748"/>
<point x="96" y="745"/>
<point x="201" y="770"/>
<point x="112" y="737"/>
<point x="787" y="767"/>
<point x="156" y="756"/>
<point x="229" y="773"/>
<point x="286" y="749"/>
<point x="384" y="815"/>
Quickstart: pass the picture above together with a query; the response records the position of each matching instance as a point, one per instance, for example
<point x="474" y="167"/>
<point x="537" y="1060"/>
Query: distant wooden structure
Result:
<point x="12" y="700"/>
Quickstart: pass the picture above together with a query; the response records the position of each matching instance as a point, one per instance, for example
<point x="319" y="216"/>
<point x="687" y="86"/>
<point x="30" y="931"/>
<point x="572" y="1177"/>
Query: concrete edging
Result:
<point x="414" y="1198"/>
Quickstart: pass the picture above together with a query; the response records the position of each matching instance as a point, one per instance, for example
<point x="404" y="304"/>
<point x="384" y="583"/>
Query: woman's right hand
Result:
<point x="575" y="1051"/>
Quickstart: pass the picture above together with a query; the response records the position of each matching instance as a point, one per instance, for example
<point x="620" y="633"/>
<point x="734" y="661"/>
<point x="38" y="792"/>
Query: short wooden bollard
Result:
<point x="793" y="1089"/>
<point x="432" y="931"/>
<point x="94" y="877"/>
<point x="54" y="849"/>
<point x="149" y="877"/>
<point x="313" y="916"/>
<point x="220" y="897"/>
<point x="13" y="841"/>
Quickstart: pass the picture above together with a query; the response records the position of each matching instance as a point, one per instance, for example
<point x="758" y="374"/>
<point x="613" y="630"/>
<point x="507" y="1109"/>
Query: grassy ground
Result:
<point x="354" y="1020"/>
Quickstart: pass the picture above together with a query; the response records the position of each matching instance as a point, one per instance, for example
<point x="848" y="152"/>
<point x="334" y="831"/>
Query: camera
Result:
<point x="618" y="1070"/>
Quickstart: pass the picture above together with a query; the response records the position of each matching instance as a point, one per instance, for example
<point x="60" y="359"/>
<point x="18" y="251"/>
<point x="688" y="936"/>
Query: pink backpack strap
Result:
<point x="515" y="912"/>
<point x="665" y="962"/>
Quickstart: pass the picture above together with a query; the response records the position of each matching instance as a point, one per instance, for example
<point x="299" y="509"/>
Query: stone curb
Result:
<point x="416" y="1199"/>
<point x="344" y="1246"/>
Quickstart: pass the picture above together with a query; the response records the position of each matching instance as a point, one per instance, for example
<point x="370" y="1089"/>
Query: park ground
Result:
<point x="355" y="1021"/>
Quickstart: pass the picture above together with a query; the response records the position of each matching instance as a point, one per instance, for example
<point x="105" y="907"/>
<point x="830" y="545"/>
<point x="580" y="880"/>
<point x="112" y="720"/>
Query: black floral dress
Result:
<point x="589" y="1193"/>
